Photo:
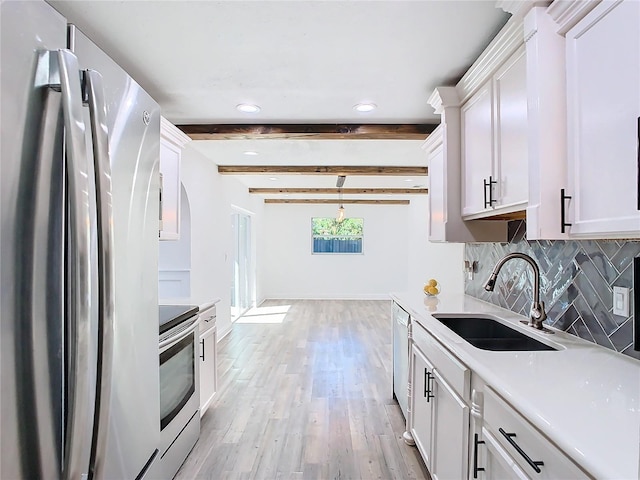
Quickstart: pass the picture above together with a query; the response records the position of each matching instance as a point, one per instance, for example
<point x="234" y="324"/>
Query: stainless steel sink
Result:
<point x="489" y="334"/>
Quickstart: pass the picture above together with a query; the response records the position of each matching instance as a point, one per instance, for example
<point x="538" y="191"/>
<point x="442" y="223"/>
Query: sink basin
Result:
<point x="489" y="334"/>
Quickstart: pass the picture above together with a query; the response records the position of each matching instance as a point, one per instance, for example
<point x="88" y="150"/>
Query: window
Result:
<point x="331" y="236"/>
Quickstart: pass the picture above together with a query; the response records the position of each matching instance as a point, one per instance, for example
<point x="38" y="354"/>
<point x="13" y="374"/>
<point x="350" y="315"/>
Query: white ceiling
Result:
<point x="302" y="62"/>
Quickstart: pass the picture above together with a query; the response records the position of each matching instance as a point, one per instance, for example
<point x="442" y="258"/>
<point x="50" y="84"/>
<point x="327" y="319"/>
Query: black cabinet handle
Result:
<point x="638" y="149"/>
<point x="429" y="377"/>
<point x="489" y="184"/>
<point x="427" y="384"/>
<point x="534" y="464"/>
<point x="476" y="469"/>
<point x="202" y="349"/>
<point x="563" y="223"/>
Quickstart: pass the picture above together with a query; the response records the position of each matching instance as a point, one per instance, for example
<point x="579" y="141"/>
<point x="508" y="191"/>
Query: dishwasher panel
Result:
<point x="401" y="321"/>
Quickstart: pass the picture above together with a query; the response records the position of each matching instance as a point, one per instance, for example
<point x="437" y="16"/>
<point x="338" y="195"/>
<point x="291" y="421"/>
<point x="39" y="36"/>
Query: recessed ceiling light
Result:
<point x="247" y="108"/>
<point x="250" y="153"/>
<point x="408" y="179"/>
<point x="273" y="179"/>
<point x="365" y="107"/>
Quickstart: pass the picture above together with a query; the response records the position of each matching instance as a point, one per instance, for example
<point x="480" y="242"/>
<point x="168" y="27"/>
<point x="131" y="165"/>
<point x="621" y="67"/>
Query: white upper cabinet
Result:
<point x="477" y="152"/>
<point x="494" y="137"/>
<point x="603" y="111"/>
<point x="495" y="142"/>
<point x="442" y="148"/>
<point x="547" y="162"/>
<point x="172" y="141"/>
<point x="511" y="139"/>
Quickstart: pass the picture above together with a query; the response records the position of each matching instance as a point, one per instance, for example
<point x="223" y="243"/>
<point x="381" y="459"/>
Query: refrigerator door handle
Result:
<point x="99" y="131"/>
<point x="79" y="413"/>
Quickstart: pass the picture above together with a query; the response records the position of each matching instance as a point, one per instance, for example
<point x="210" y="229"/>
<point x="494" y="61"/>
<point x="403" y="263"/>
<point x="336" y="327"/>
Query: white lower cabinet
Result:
<point x="208" y="377"/>
<point x="473" y="434"/>
<point x="450" y="431"/>
<point x="492" y="462"/>
<point x="421" y="404"/>
<point x="508" y="446"/>
<point x="439" y="415"/>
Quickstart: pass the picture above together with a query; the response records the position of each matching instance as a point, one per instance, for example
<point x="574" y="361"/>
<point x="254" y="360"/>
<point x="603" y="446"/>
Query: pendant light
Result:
<point x="339" y="183"/>
<point x="340" y="216"/>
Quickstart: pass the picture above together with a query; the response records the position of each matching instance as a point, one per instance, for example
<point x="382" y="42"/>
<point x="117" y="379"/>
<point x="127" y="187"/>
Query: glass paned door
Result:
<point x="241" y="288"/>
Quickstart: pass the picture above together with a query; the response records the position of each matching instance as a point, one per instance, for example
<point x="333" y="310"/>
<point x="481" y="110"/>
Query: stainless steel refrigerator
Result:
<point x="79" y="242"/>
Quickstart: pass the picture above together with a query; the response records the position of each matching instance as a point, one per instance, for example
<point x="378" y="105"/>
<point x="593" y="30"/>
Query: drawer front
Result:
<point x="456" y="373"/>
<point x="501" y="419"/>
<point x="207" y="319"/>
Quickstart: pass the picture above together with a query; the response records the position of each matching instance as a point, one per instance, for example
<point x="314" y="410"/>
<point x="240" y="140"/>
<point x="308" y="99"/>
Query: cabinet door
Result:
<point x="450" y="455"/>
<point x="494" y="463"/>
<point x="421" y="404"/>
<point x="208" y="378"/>
<point x="603" y="99"/>
<point x="511" y="165"/>
<point x="477" y="150"/>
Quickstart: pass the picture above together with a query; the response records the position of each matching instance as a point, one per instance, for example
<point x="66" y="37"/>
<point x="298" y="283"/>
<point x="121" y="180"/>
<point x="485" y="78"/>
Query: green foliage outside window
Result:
<point x="331" y="227"/>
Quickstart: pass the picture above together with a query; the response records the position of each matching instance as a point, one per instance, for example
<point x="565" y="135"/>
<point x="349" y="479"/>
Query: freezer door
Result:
<point x="133" y="121"/>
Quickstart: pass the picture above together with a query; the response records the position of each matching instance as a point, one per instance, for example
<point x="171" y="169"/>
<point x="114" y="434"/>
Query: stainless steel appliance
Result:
<point x="79" y="352"/>
<point x="401" y="321"/>
<point x="179" y="385"/>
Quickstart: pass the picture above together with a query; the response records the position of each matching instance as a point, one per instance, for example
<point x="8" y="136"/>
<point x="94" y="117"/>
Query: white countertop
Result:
<point x="584" y="397"/>
<point x="202" y="306"/>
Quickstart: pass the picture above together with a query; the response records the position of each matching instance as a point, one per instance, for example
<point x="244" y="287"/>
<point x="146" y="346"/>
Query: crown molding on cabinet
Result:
<point x="508" y="40"/>
<point x="519" y="8"/>
<point x="567" y="13"/>
<point x="443" y="97"/>
<point x="172" y="133"/>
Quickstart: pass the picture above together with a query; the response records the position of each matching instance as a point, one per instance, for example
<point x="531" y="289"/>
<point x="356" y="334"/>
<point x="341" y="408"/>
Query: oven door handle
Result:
<point x="183" y="334"/>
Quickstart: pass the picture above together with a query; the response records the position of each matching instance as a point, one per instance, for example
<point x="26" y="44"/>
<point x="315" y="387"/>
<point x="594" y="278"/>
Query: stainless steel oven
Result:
<point x="179" y="390"/>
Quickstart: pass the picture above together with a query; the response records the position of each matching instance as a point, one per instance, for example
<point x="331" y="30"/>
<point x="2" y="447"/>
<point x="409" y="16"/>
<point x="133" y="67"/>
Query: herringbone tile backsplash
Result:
<point x="577" y="280"/>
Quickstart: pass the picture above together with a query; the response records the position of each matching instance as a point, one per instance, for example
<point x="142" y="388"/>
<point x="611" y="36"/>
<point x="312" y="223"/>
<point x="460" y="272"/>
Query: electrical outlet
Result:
<point x="621" y="301"/>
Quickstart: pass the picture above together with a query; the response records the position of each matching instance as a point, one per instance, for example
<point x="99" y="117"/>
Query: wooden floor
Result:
<point x="306" y="395"/>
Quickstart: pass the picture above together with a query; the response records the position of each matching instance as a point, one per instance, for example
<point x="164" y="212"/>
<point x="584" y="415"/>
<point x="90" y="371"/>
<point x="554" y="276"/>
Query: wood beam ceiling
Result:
<point x="336" y="201"/>
<point x="345" y="191"/>
<point x="322" y="131"/>
<point x="322" y="170"/>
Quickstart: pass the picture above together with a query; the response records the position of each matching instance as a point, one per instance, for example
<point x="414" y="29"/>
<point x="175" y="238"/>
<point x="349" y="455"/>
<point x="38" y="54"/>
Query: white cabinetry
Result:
<point x="450" y="431"/>
<point x="172" y="141"/>
<point x="510" y="447"/>
<point x="603" y="105"/>
<point x="442" y="148"/>
<point x="477" y="152"/>
<point x="439" y="414"/>
<point x="421" y="409"/>
<point x="494" y="143"/>
<point x="208" y="345"/>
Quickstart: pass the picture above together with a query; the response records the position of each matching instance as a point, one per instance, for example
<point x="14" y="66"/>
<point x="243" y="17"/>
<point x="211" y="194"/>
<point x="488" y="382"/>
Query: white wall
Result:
<point x="397" y="255"/>
<point x="210" y="198"/>
<point x="442" y="261"/>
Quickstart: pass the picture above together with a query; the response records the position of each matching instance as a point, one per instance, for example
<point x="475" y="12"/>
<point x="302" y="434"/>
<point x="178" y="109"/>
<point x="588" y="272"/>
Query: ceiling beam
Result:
<point x="321" y="131"/>
<point x="324" y="170"/>
<point x="346" y="191"/>
<point x="336" y="201"/>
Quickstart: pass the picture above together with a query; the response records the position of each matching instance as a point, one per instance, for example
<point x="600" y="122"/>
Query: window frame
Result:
<point x="361" y="237"/>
